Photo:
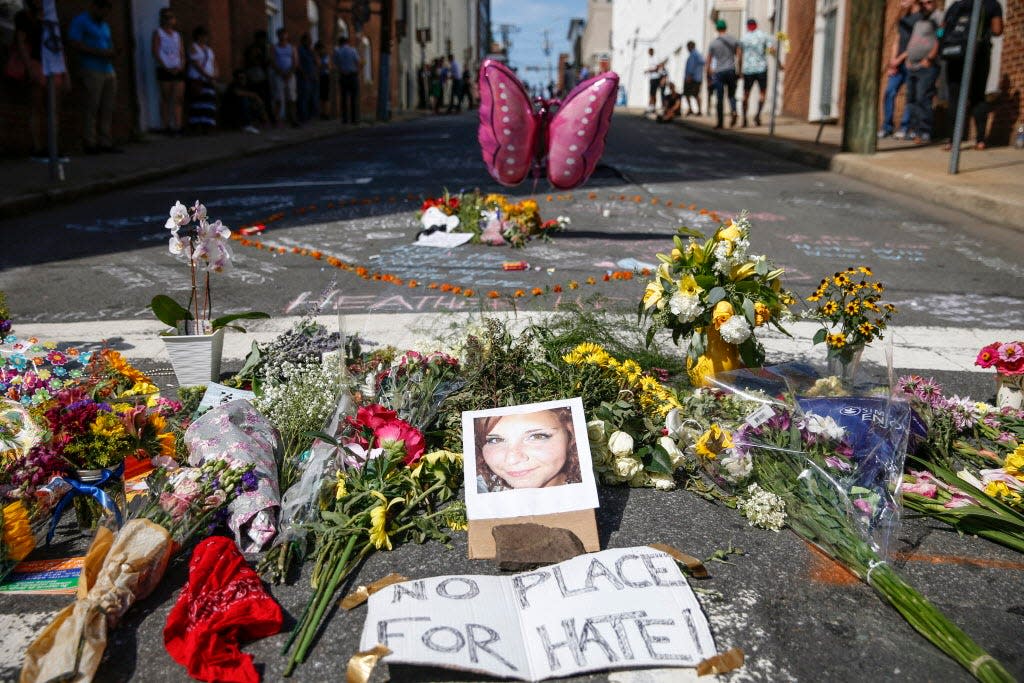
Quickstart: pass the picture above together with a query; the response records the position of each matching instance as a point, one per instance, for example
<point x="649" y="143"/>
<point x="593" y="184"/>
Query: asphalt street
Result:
<point x="797" y="616"/>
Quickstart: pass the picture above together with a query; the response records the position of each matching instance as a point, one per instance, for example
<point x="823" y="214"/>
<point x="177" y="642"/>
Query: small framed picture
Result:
<point x="527" y="460"/>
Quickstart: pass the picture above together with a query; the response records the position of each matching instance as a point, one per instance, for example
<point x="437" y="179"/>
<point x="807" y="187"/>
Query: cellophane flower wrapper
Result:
<point x="856" y="444"/>
<point x="236" y="432"/>
<point x="300" y="503"/>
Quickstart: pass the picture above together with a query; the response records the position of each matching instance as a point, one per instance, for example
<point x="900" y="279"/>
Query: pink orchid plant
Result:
<point x="204" y="246"/>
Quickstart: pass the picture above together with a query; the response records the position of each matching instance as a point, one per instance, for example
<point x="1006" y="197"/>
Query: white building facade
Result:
<point x="666" y="26"/>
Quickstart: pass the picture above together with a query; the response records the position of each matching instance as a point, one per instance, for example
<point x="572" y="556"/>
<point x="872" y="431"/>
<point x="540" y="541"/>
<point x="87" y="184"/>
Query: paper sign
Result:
<point x="218" y="394"/>
<point x="445" y="240"/>
<point x="44" y="576"/>
<point x="621" y="608"/>
<point x="529" y="459"/>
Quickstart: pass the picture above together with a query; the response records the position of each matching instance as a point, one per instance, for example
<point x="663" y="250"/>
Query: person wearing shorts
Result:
<point x="655" y="77"/>
<point x="756" y="47"/>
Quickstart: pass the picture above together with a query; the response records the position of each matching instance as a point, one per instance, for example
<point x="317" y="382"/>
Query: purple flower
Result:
<point x="250" y="482"/>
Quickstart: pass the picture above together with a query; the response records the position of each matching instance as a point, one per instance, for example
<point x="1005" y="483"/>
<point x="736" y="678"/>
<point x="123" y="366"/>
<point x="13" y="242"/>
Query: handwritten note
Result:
<point x="622" y="608"/>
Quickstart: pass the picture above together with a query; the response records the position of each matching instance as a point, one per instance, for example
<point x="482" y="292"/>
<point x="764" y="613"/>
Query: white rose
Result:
<point x="627" y="467"/>
<point x="738" y="466"/>
<point x="598" y="442"/>
<point x="735" y="330"/>
<point x="675" y="456"/>
<point x="674" y="421"/>
<point x="620" y="444"/>
<point x="662" y="482"/>
<point x="639" y="480"/>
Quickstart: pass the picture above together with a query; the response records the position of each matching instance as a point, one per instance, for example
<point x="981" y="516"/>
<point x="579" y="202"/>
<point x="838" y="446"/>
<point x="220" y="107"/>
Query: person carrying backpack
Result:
<point x="953" y="49"/>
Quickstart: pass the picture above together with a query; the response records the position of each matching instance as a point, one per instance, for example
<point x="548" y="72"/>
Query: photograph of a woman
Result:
<point x="526" y="450"/>
<point x="527" y="460"/>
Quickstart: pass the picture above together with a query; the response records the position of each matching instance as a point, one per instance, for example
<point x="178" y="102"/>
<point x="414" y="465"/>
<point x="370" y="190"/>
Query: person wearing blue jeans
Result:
<point x="897" y="72"/>
<point x="723" y="54"/>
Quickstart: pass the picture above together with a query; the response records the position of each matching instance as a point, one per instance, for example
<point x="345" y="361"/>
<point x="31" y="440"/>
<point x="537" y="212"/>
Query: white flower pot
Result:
<point x="1009" y="391"/>
<point x="195" y="357"/>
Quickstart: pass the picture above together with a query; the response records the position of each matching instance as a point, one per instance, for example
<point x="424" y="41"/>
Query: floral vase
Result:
<point x="195" y="357"/>
<point x="719" y="356"/>
<point x="89" y="512"/>
<point x="1009" y="391"/>
<point x="845" y="365"/>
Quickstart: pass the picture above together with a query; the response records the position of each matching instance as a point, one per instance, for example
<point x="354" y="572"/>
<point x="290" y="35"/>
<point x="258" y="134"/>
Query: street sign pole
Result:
<point x="965" y="84"/>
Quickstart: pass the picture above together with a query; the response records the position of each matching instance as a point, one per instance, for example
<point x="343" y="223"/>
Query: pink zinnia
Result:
<point x="988" y="355"/>
<point x="1011" y="352"/>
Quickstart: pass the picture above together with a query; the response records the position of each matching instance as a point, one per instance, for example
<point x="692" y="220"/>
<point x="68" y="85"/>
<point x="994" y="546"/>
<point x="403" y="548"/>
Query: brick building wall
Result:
<point x="231" y="24"/>
<point x="1008" y="108"/>
<point x="797" y="62"/>
<point x="1008" y="113"/>
<point x="15" y="138"/>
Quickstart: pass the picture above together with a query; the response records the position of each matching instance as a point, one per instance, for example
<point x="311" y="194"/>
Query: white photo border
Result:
<point x="529" y="502"/>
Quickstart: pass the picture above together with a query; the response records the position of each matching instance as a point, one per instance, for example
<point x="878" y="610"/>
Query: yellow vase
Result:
<point x="719" y="356"/>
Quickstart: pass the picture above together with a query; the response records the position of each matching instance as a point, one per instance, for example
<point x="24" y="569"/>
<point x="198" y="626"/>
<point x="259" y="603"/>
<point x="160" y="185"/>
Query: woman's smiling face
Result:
<point x="528" y="451"/>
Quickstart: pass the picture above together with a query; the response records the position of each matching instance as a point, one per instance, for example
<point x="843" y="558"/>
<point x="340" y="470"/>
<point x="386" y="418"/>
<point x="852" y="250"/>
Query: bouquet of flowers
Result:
<point x="493" y="218"/>
<point x="382" y="490"/>
<point x="628" y="440"/>
<point x="204" y="246"/>
<point x="972" y="464"/>
<point x="113" y="378"/>
<point x="1007" y="359"/>
<point x="5" y="317"/>
<point x="714" y="295"/>
<point x="804" y="473"/>
<point x="851" y="312"/>
<point x="181" y="505"/>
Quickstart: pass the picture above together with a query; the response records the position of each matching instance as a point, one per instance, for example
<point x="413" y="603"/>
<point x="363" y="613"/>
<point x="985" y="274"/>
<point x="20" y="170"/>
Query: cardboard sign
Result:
<point x="528" y="463"/>
<point x="621" y="608"/>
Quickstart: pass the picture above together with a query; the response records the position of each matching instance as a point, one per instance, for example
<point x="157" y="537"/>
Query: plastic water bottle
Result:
<point x="1018" y="142"/>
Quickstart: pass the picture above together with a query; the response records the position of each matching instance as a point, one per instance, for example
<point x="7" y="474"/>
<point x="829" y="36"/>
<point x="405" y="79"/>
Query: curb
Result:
<point x="14" y="206"/>
<point x="949" y="195"/>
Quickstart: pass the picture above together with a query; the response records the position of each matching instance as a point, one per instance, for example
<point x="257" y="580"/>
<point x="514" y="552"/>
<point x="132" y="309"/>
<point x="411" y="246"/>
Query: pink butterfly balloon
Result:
<point x="514" y="137"/>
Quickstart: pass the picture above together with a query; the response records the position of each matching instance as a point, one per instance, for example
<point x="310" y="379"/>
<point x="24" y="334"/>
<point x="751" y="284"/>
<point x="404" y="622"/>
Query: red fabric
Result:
<point x="223" y="603"/>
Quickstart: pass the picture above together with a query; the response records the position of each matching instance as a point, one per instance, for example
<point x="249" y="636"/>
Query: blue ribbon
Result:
<point x="93" y="490"/>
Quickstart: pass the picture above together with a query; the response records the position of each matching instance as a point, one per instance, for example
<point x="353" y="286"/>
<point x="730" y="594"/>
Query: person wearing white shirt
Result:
<point x="455" y="74"/>
<point x="755" y="46"/>
<point x="169" y="53"/>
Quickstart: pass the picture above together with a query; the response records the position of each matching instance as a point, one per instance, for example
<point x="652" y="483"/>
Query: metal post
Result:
<point x="776" y="17"/>
<point x="965" y="84"/>
<point x="56" y="170"/>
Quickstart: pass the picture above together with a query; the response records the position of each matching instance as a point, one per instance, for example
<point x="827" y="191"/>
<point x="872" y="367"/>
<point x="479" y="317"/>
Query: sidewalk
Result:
<point x="26" y="183"/>
<point x="990" y="184"/>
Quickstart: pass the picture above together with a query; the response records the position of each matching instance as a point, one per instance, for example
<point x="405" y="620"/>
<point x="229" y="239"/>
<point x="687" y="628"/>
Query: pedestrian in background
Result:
<point x="323" y="62"/>
<point x="284" y="63"/>
<point x="169" y="52"/>
<point x="922" y="69"/>
<point x="953" y="48"/>
<point x="243" y="107"/>
<point x="755" y="46"/>
<point x="346" y="61"/>
<point x="693" y="76"/>
<point x="455" y="72"/>
<point x="308" y="77"/>
<point x="257" y="76"/>
<point x="89" y="34"/>
<point x="655" y="76"/>
<point x="897" y="74"/>
<point x="672" y="104"/>
<point x="724" y="51"/>
<point x="27" y="45"/>
<point x="202" y="79"/>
